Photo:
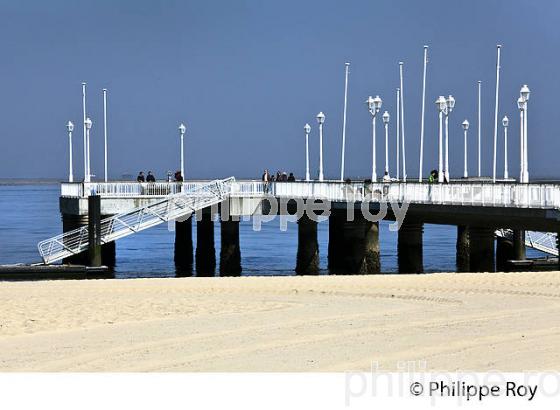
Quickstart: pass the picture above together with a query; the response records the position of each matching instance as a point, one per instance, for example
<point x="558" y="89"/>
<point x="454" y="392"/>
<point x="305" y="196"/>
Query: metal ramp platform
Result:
<point x="541" y="241"/>
<point x="118" y="226"/>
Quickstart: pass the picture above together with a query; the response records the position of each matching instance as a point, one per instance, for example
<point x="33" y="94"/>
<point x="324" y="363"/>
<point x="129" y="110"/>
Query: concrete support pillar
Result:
<point x="183" y="255"/>
<point x="94" y="230"/>
<point x="205" y="251"/>
<point x="230" y="253"/>
<point x="482" y="249"/>
<point x="504" y="253"/>
<point x="519" y="245"/>
<point x="409" y="248"/>
<point x="308" y="247"/>
<point x="463" y="249"/>
<point x="353" y="245"/>
<point x="336" y="228"/>
<point x="109" y="254"/>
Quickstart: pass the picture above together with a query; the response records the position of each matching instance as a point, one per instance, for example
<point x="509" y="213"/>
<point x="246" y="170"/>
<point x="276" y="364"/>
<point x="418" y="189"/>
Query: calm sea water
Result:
<point x="29" y="214"/>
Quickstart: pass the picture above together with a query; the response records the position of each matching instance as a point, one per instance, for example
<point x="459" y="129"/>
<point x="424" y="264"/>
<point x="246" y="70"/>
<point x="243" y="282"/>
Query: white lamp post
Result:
<point x="521" y="104"/>
<point x="86" y="173"/>
<point x="505" y="123"/>
<point x="321" y="120"/>
<point x="70" y="128"/>
<point x="105" y="128"/>
<point x="525" y="93"/>
<point x="88" y="125"/>
<point x="398" y="127"/>
<point x="423" y="109"/>
<point x="182" y="130"/>
<point x="347" y="65"/>
<point x="386" y="118"/>
<point x="450" y="104"/>
<point x="442" y="106"/>
<point x="479" y="121"/>
<point x="402" y="122"/>
<point x="496" y="111"/>
<point x="307" y="129"/>
<point x="374" y="105"/>
<point x="465" y="129"/>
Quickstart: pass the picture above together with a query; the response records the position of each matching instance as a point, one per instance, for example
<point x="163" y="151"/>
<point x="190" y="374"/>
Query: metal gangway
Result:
<point x="541" y="241"/>
<point x="174" y="206"/>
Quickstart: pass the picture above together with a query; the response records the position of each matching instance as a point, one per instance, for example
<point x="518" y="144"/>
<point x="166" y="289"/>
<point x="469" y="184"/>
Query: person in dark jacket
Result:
<point x="140" y="177"/>
<point x="291" y="178"/>
<point x="150" y="177"/>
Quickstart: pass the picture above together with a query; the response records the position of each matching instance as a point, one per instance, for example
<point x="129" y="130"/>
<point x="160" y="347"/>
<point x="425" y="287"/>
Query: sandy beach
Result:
<point x="479" y="322"/>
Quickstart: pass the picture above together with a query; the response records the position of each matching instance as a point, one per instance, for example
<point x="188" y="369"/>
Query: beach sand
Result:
<point x="451" y="322"/>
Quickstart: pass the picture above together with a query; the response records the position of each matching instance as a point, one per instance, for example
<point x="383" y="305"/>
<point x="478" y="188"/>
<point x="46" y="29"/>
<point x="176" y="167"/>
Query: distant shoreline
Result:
<point x="29" y="181"/>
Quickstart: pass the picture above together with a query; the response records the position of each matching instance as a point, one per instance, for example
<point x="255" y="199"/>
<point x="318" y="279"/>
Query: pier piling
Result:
<point x="463" y="249"/>
<point x="94" y="230"/>
<point x="308" y="247"/>
<point x="230" y="253"/>
<point x="205" y="258"/>
<point x="353" y="245"/>
<point x="409" y="248"/>
<point x="481" y="249"/>
<point x="183" y="255"/>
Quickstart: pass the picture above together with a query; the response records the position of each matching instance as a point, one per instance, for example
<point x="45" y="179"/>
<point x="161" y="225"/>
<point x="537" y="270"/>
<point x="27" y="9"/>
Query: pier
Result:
<point x="482" y="211"/>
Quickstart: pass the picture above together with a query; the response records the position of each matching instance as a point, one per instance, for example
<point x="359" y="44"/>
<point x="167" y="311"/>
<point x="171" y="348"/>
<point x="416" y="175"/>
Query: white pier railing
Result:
<point x="474" y="194"/>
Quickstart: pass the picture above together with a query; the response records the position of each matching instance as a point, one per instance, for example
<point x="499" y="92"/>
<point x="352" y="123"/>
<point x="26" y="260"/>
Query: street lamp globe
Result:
<point x="70" y="126"/>
<point x="521" y="103"/>
<point x="450" y="103"/>
<point x="182" y="128"/>
<point x="441" y="103"/>
<point x="386" y="117"/>
<point x="370" y="103"/>
<point x="525" y="92"/>
<point x="377" y="102"/>
<point x="465" y="125"/>
<point x="307" y="128"/>
<point x="321" y="117"/>
<point x="505" y="121"/>
<point x="88" y="123"/>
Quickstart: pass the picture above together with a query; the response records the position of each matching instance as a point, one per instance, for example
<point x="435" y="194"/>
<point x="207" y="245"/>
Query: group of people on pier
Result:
<point x="151" y="177"/>
<point x="280" y="177"/>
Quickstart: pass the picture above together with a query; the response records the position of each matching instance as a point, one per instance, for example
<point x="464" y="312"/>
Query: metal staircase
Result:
<point x="138" y="219"/>
<point x="541" y="241"/>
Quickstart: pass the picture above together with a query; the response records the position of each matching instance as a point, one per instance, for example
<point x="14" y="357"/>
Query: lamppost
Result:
<point x="386" y="118"/>
<point x="374" y="105"/>
<point x="347" y="65"/>
<point x="307" y="129"/>
<point x="422" y="118"/>
<point x="505" y="123"/>
<point x="321" y="120"/>
<point x="465" y="129"/>
<point x="525" y="93"/>
<point x="182" y="130"/>
<point x="450" y="104"/>
<point x="88" y="125"/>
<point x="479" y="121"/>
<point x="442" y="106"/>
<point x="521" y="104"/>
<point x="105" y="128"/>
<point x="70" y="128"/>
<point x="86" y="173"/>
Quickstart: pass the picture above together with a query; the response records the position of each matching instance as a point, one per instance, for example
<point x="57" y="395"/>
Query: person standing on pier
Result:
<point x="150" y="177"/>
<point x="140" y="177"/>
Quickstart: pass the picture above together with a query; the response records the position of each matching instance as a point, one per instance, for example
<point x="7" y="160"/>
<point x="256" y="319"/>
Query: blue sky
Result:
<point x="245" y="76"/>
